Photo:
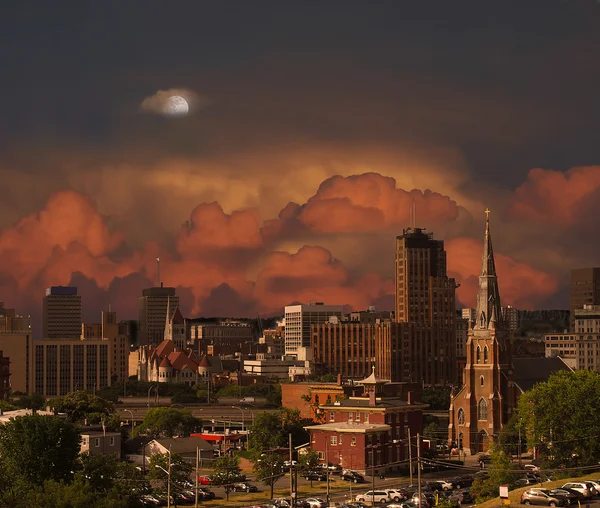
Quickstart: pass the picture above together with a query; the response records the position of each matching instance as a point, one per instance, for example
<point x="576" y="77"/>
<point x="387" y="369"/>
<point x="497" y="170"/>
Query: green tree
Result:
<point x="266" y="432"/>
<point x="500" y="471"/>
<point x="105" y="473"/>
<point x="82" y="406"/>
<point x="437" y="398"/>
<point x="269" y="468"/>
<point x="5" y="406"/>
<point x="158" y="466"/>
<point x="78" y="494"/>
<point x="560" y="417"/>
<point x="508" y="438"/>
<point x="308" y="461"/>
<point x="39" y="448"/>
<point x="34" y="401"/>
<point x="226" y="472"/>
<point x="293" y="423"/>
<point x="168" y="422"/>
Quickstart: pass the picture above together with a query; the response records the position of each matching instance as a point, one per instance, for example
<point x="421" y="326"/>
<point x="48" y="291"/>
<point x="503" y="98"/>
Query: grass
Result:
<point x="514" y="496"/>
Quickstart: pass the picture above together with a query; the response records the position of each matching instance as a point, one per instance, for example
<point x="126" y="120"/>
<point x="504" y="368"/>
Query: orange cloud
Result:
<point x="521" y="285"/>
<point x="554" y="197"/>
<point x="371" y="202"/>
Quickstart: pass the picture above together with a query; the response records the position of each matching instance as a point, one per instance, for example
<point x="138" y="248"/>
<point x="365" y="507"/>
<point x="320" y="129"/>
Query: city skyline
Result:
<point x="302" y="157"/>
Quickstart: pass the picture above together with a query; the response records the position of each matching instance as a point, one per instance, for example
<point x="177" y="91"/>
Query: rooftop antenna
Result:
<point x="414" y="214"/>
<point x="158" y="265"/>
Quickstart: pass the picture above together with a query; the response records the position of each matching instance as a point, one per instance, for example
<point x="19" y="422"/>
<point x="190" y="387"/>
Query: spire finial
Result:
<point x="373" y="368"/>
<point x="487" y="215"/>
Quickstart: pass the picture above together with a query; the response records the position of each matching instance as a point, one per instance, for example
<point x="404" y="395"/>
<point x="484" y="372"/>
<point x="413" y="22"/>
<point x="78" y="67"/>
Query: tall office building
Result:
<point x="153" y="314"/>
<point x="15" y="339"/>
<point x="584" y="290"/>
<point x="425" y="301"/>
<point x="299" y="320"/>
<point x="62" y="313"/>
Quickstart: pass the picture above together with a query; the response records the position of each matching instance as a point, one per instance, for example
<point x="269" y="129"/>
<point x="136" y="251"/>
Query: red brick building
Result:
<point x="370" y="432"/>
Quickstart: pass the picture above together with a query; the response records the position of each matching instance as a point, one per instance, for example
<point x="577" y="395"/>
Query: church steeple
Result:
<point x="167" y="334"/>
<point x="489" y="310"/>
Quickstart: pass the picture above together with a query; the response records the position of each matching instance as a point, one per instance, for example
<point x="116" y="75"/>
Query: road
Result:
<point x="205" y="412"/>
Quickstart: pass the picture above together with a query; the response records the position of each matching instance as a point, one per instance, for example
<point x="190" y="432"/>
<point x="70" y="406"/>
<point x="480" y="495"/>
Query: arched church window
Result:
<point x="461" y="416"/>
<point x="478" y="355"/>
<point x="482" y="412"/>
<point x="481" y="381"/>
<point x="485" y="354"/>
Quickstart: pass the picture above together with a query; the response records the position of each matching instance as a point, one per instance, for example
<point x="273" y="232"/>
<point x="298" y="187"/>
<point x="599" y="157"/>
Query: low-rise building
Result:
<point x="4" y="377"/>
<point x="371" y="433"/>
<point x="101" y="443"/>
<point x="185" y="447"/>
<point x="580" y="351"/>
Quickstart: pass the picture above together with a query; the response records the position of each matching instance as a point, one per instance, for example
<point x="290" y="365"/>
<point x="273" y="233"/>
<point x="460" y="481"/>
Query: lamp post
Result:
<point x="168" y="479"/>
<point x="132" y="420"/>
<point x="243" y="418"/>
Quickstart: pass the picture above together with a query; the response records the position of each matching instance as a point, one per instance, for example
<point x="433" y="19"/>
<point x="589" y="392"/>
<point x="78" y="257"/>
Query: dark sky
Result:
<point x="462" y="98"/>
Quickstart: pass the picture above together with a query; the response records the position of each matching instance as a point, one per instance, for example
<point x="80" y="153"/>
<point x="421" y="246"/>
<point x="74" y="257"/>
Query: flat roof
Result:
<point x="350" y="427"/>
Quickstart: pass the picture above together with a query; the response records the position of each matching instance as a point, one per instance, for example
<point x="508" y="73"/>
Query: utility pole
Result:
<point x="197" y="473"/>
<point x="410" y="457"/>
<point x="419" y="467"/>
<point x="292" y="503"/>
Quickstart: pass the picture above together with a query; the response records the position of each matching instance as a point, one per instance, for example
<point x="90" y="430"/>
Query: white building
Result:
<point x="468" y="314"/>
<point x="587" y="320"/>
<point x="299" y="320"/>
<point x="579" y="351"/>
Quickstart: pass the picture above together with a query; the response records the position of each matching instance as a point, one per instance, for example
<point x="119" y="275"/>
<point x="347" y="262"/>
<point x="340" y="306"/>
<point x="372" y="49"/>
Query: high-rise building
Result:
<point x="587" y="319"/>
<point x="468" y="314"/>
<point x="299" y="320"/>
<point x="15" y="336"/>
<point x="220" y="339"/>
<point x="425" y="300"/>
<point x="4" y="376"/>
<point x="584" y="290"/>
<point x="510" y="315"/>
<point x="153" y="313"/>
<point x="61" y="313"/>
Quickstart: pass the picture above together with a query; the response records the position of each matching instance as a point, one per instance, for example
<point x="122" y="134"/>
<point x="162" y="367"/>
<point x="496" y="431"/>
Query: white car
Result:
<point x="376" y="496"/>
<point x="316" y="502"/>
<point x="531" y="467"/>
<point x="579" y="487"/>
<point x="394" y="495"/>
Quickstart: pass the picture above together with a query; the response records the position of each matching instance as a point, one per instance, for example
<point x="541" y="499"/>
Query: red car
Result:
<point x="204" y="480"/>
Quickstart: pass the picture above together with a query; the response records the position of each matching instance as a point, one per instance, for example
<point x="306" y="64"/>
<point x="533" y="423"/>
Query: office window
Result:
<point x="333" y="440"/>
<point x="353" y="441"/>
<point x="97" y="443"/>
<point x="331" y="416"/>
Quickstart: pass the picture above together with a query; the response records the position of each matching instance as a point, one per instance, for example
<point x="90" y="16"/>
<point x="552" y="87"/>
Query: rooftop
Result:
<point x="530" y="371"/>
<point x="350" y="427"/>
<point x="380" y="403"/>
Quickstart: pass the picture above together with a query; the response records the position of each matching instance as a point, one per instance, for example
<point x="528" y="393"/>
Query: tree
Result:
<point x="168" y="422"/>
<point x="293" y="423"/>
<point x="309" y="461"/>
<point x="105" y="473"/>
<point x="508" y="438"/>
<point x="226" y="472"/>
<point x="500" y="474"/>
<point x="560" y="418"/>
<point x="5" y="406"/>
<point x="158" y="466"/>
<point x="437" y="398"/>
<point x="39" y="448"/>
<point x="34" y="401"/>
<point x="269" y="468"/>
<point x="265" y="432"/>
<point x="78" y="494"/>
<point x="82" y="406"/>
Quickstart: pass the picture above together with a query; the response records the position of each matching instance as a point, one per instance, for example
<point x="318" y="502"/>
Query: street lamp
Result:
<point x="132" y="420"/>
<point x="236" y="407"/>
<point x="168" y="479"/>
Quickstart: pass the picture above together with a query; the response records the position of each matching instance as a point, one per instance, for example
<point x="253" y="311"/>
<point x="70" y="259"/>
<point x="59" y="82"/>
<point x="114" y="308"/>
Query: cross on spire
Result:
<point x="487" y="214"/>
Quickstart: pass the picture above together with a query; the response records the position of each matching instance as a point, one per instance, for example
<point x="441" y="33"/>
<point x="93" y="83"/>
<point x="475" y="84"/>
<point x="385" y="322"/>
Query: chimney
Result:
<point x="409" y="397"/>
<point x="339" y="380"/>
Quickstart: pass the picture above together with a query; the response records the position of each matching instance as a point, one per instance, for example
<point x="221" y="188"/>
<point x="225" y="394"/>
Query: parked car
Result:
<point x="204" y="480"/>
<point x="396" y="495"/>
<point x="569" y="496"/>
<point x="440" y="485"/>
<point x="316" y="502"/>
<point x="376" y="496"/>
<point x="333" y="468"/>
<point x="315" y="475"/>
<point x="541" y="497"/>
<point x="148" y="500"/>
<point x="583" y="488"/>
<point x="205" y="493"/>
<point x="353" y="476"/>
<point x="596" y="486"/>
<point x="486" y="459"/>
<point x="460" y="482"/>
<point x="523" y="482"/>
<point x="461" y="497"/>
<point x="531" y="467"/>
<point x="244" y="487"/>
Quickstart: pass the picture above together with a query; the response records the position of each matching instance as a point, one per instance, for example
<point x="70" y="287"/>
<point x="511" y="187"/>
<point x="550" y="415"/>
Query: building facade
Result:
<point x="584" y="289"/>
<point x="15" y="343"/>
<point x="299" y="320"/>
<point x="153" y="314"/>
<point x="371" y="433"/>
<point x="101" y="443"/>
<point x="486" y="400"/>
<point x="225" y="338"/>
<point x="61" y="313"/>
<point x="462" y="336"/>
<point x="4" y="376"/>
<point x="587" y="319"/>
<point x="425" y="300"/>
<point x="510" y="316"/>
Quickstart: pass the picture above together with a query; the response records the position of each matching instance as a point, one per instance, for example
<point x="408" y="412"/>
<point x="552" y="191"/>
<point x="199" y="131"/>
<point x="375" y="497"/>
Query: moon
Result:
<point x="177" y="106"/>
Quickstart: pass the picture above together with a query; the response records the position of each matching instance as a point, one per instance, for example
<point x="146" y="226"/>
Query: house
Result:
<point x="101" y="443"/>
<point x="185" y="447"/>
<point x="5" y="416"/>
<point x="371" y="432"/>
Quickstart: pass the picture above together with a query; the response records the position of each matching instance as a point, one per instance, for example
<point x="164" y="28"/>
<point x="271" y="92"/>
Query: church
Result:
<point x="487" y="397"/>
<point x="492" y="379"/>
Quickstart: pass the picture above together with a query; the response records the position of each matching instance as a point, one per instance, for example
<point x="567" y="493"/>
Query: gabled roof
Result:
<point x="165" y="364"/>
<point x="530" y="371"/>
<point x="165" y="347"/>
<point x="205" y="362"/>
<point x="177" y="318"/>
<point x="179" y="360"/>
<point x="183" y="445"/>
